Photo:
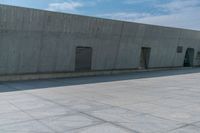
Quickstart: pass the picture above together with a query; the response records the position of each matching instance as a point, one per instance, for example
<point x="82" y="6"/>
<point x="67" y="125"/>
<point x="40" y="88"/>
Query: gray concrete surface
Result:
<point x="35" y="41"/>
<point x="146" y="102"/>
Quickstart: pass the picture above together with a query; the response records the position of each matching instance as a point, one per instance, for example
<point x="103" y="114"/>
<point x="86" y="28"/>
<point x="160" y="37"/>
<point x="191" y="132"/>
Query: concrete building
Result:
<point x="42" y="44"/>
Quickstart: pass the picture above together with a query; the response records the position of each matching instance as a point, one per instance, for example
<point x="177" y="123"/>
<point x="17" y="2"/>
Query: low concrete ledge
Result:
<point x="35" y="76"/>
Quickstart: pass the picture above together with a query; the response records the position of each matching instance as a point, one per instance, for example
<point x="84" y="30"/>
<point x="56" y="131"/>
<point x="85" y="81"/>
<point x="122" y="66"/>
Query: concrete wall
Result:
<point x="34" y="41"/>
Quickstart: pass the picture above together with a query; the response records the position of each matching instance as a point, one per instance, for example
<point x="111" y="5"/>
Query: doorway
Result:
<point x="189" y="58"/>
<point x="83" y="59"/>
<point x="144" y="57"/>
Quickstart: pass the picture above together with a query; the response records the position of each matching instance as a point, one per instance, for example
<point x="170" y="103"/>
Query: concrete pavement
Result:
<point x="146" y="102"/>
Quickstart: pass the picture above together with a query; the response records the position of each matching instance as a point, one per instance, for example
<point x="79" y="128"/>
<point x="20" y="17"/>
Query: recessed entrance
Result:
<point x="189" y="58"/>
<point x="144" y="57"/>
<point x="83" y="59"/>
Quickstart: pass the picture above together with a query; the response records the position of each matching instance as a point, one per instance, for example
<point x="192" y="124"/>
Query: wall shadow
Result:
<point x="42" y="84"/>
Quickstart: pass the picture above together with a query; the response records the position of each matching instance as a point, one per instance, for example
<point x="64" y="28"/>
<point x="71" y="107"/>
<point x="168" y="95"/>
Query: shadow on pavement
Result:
<point x="41" y="84"/>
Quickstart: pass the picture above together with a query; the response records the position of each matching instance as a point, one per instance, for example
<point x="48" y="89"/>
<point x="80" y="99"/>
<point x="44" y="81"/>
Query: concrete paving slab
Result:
<point x="32" y="104"/>
<point x="115" y="115"/>
<point x="186" y="129"/>
<point x="197" y="124"/>
<point x="150" y="124"/>
<point x="14" y="117"/>
<point x="26" y="127"/>
<point x="102" y="128"/>
<point x="64" y="123"/>
<point x="83" y="105"/>
<point x="7" y="107"/>
<point x="51" y="111"/>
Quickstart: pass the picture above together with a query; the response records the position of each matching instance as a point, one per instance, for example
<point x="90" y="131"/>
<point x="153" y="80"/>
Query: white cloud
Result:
<point x="65" y="6"/>
<point x="127" y="16"/>
<point x="189" y="19"/>
<point x="178" y="5"/>
<point x="179" y="13"/>
<point x="138" y="1"/>
<point x="73" y="5"/>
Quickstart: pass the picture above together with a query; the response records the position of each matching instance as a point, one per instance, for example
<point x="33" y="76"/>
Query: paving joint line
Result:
<point x="34" y="118"/>
<point x="105" y="121"/>
<point x="85" y="113"/>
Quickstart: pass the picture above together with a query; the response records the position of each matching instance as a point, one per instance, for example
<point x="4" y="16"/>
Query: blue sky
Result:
<point x="173" y="13"/>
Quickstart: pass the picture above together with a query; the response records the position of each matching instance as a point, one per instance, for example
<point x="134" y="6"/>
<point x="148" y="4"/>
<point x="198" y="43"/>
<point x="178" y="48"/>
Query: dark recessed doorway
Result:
<point x="83" y="59"/>
<point x="189" y="58"/>
<point x="144" y="57"/>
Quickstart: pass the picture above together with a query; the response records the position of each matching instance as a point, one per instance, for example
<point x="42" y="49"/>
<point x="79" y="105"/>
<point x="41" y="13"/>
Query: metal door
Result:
<point x="189" y="57"/>
<point x="144" y="57"/>
<point x="83" y="59"/>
